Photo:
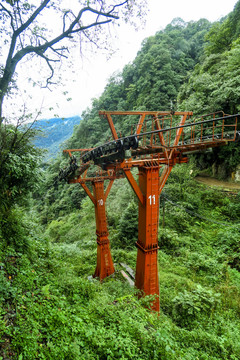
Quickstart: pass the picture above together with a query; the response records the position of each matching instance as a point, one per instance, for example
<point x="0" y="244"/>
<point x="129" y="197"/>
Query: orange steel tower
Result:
<point x="104" y="260"/>
<point x="147" y="263"/>
<point x="148" y="191"/>
<point x="167" y="147"/>
<point x="160" y="139"/>
<point x="105" y="265"/>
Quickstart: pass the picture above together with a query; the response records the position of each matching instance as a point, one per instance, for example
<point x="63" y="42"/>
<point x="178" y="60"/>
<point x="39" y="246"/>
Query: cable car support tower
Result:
<point x="158" y="140"/>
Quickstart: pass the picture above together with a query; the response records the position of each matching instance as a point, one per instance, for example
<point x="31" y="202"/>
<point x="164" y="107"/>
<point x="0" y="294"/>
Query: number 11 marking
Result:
<point x="152" y="199"/>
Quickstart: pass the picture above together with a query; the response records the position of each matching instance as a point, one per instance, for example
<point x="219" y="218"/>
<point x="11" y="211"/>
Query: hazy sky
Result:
<point x="93" y="72"/>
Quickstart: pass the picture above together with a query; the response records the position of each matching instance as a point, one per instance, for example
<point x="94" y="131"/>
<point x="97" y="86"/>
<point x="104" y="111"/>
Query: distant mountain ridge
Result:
<point x="54" y="132"/>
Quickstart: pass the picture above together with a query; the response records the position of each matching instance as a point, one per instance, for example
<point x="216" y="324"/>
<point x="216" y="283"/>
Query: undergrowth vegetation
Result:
<point x="51" y="307"/>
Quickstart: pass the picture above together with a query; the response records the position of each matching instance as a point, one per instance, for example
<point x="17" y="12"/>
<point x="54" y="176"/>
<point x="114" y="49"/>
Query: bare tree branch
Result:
<point x="32" y="17"/>
<point x="50" y="67"/>
<point x="118" y="5"/>
<point x="60" y="54"/>
<point x="90" y="40"/>
<point x="9" y="14"/>
<point x="19" y="13"/>
<point x="24" y="43"/>
<point x="13" y="60"/>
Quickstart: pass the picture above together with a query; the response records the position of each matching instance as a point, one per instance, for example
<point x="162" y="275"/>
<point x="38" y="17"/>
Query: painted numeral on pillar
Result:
<point x="100" y="202"/>
<point x="152" y="199"/>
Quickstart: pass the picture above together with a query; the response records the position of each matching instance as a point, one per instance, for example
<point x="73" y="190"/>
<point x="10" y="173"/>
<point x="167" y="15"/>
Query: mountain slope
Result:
<point x="54" y="132"/>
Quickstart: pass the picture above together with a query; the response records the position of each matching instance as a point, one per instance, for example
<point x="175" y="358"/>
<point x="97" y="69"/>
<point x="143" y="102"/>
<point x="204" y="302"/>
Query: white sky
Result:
<point x="93" y="72"/>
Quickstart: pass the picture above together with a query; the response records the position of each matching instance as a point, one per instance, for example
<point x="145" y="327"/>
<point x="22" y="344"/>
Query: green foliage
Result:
<point x="78" y="226"/>
<point x="230" y="241"/>
<point x="224" y="33"/>
<point x="61" y="314"/>
<point x="19" y="161"/>
<point x="55" y="199"/>
<point x="14" y="230"/>
<point x="199" y="299"/>
<point x="128" y="227"/>
<point x="219" y="37"/>
<point x="214" y="84"/>
<point x="191" y="306"/>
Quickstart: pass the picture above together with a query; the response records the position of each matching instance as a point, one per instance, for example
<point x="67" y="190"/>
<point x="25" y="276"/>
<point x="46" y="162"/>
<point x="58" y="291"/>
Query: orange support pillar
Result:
<point x="104" y="260"/>
<point x="147" y="263"/>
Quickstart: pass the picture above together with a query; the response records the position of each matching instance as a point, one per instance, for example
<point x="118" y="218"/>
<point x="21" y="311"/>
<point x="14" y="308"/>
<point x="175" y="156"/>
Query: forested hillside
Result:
<point x="185" y="67"/>
<point x="50" y="306"/>
<point x="152" y="81"/>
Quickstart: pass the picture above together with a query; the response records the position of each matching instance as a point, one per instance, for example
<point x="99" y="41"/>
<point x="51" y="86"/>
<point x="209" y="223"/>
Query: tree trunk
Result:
<point x="1" y="103"/>
<point x="4" y="85"/>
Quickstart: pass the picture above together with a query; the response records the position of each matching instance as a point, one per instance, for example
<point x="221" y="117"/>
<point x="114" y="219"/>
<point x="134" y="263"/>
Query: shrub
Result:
<point x="189" y="306"/>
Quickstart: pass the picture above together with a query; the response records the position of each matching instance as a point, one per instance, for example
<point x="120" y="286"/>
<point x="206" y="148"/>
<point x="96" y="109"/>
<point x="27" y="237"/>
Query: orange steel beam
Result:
<point x="83" y="179"/>
<point x="74" y="150"/>
<point x="140" y="124"/>
<point x="111" y="125"/>
<point x="160" y="135"/>
<point x="108" y="189"/>
<point x="88" y="192"/>
<point x="164" y="177"/>
<point x="180" y="130"/>
<point x="105" y="265"/>
<point x="128" y="164"/>
<point x="189" y="113"/>
<point x="134" y="185"/>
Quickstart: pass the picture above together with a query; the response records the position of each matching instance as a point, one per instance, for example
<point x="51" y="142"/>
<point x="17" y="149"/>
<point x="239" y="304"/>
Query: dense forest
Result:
<point x="50" y="306"/>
